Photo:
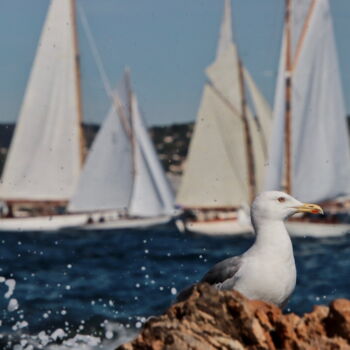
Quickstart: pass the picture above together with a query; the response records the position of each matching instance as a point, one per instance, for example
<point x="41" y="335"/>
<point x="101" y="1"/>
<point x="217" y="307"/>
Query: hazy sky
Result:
<point x="166" y="43"/>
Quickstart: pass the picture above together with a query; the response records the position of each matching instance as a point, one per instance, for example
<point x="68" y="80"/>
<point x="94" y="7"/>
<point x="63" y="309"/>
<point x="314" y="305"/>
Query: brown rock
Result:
<point x="213" y="320"/>
<point x="338" y="320"/>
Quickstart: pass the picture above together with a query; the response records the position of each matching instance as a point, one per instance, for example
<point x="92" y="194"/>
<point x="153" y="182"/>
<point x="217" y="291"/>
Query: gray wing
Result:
<point x="222" y="275"/>
<point x="223" y="271"/>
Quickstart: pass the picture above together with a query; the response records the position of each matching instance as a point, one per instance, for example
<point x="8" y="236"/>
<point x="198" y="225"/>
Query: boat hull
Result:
<point x="318" y="230"/>
<point x="234" y="227"/>
<point x="76" y="222"/>
<point x="130" y="223"/>
<point x="215" y="227"/>
<point x="41" y="223"/>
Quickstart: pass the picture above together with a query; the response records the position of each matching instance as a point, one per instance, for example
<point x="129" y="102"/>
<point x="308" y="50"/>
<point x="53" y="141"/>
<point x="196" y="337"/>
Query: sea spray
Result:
<point x="116" y="334"/>
<point x="105" y="277"/>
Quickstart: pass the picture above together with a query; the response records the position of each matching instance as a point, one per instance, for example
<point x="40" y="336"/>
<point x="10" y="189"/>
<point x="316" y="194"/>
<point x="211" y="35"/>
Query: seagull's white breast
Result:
<point x="268" y="277"/>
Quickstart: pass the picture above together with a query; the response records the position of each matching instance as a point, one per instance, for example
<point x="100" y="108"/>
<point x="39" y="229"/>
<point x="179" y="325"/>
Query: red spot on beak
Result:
<point x="315" y="211"/>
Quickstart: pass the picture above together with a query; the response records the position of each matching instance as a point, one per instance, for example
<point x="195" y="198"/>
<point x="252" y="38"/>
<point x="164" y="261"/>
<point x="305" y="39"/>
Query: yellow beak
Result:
<point x="310" y="208"/>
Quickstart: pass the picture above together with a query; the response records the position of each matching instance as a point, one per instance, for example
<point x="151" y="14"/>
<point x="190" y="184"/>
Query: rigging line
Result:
<point x="303" y="32"/>
<point x="103" y="75"/>
<point x="224" y="99"/>
<point x="247" y="135"/>
<point x="106" y="84"/>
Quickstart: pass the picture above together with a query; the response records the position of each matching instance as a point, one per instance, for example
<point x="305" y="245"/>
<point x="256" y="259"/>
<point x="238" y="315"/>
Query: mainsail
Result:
<point x="107" y="177"/>
<point x="122" y="170"/>
<point x="152" y="195"/>
<point x="217" y="168"/>
<point x="320" y="157"/>
<point x="45" y="155"/>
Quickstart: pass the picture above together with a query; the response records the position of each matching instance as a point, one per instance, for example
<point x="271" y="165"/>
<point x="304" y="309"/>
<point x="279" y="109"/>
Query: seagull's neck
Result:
<point x="272" y="236"/>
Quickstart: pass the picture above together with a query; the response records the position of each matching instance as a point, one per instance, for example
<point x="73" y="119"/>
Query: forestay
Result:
<point x="44" y="159"/>
<point x="320" y="145"/>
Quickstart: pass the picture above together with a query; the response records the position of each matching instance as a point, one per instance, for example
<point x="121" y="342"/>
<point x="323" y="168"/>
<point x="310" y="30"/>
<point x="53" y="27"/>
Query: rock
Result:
<point x="338" y="320"/>
<point x="226" y="320"/>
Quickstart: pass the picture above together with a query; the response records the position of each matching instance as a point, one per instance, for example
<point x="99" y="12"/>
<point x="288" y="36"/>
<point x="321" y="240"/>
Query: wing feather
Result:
<point x="222" y="271"/>
<point x="223" y="275"/>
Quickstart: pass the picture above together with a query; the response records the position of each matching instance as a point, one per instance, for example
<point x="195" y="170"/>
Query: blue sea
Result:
<point x="94" y="290"/>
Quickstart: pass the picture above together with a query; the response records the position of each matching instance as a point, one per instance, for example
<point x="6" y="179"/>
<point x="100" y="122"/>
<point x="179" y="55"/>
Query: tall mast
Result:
<point x="78" y="80"/>
<point x="130" y="98"/>
<point x="247" y="136"/>
<point x="288" y="99"/>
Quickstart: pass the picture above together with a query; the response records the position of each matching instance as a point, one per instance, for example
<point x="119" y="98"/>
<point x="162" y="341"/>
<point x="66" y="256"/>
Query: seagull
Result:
<point x="266" y="271"/>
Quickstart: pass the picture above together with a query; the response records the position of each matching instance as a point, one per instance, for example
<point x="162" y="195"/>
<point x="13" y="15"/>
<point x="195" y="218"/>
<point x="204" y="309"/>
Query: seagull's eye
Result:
<point x="281" y="199"/>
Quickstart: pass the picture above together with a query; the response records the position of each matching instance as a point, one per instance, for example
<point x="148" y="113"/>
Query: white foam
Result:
<point x="11" y="284"/>
<point x="20" y="325"/>
<point x="59" y="333"/>
<point x="13" y="305"/>
<point x="109" y="335"/>
<point x="83" y="341"/>
<point x="115" y="334"/>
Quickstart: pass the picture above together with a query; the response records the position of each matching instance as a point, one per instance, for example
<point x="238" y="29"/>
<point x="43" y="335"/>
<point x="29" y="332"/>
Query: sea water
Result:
<point x="94" y="290"/>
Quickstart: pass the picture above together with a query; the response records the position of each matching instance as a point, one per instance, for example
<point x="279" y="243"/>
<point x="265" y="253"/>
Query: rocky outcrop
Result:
<point x="212" y="320"/>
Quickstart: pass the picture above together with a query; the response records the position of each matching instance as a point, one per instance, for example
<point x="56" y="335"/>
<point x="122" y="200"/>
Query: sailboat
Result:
<point x="309" y="151"/>
<point x="46" y="153"/>
<point x="122" y="184"/>
<point x="225" y="166"/>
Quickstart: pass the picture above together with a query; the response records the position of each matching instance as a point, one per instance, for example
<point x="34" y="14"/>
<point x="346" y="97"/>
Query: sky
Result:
<point x="166" y="43"/>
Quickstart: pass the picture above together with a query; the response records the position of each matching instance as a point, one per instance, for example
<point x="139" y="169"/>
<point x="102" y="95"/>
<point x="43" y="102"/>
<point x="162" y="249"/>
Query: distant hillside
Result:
<point x="171" y="143"/>
<point x="6" y="132"/>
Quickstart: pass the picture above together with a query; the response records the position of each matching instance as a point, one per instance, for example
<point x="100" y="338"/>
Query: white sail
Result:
<point x="44" y="159"/>
<point x="216" y="170"/>
<point x="122" y="170"/>
<point x="107" y="178"/>
<point x="124" y="97"/>
<point x="226" y="35"/>
<point x="152" y="195"/>
<point x="320" y="145"/>
<point x="262" y="111"/>
<point x="275" y="168"/>
<point x="259" y="154"/>
<point x="227" y="60"/>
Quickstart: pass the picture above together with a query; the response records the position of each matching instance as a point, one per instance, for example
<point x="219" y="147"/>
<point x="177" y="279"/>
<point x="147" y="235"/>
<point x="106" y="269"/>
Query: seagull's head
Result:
<point x="275" y="205"/>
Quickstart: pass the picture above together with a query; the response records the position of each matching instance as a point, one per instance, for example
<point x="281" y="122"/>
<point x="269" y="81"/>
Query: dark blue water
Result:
<point x="84" y="281"/>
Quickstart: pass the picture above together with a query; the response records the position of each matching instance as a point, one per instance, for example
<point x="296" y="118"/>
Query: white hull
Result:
<point x="75" y="221"/>
<point x="138" y="223"/>
<point x="233" y="227"/>
<point x="215" y="227"/>
<point x="41" y="223"/>
<point x="313" y="229"/>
